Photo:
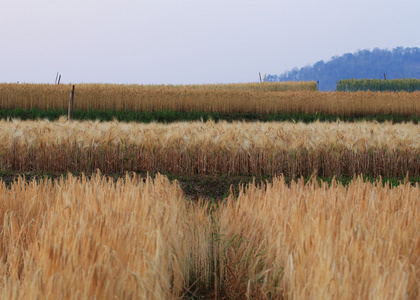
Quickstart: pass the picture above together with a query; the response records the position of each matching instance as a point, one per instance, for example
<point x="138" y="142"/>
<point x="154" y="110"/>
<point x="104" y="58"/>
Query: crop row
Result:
<point x="140" y="99"/>
<point x="236" y="148"/>
<point x="311" y="242"/>
<point x="84" y="239"/>
<point x="140" y="239"/>
<point x="394" y="85"/>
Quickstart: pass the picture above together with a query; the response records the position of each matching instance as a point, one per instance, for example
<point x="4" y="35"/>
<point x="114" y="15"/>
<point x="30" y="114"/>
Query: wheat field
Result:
<point x="96" y="239"/>
<point x="92" y="237"/>
<point x="237" y="148"/>
<point x="208" y="98"/>
<point x="328" y="242"/>
<point x="83" y="238"/>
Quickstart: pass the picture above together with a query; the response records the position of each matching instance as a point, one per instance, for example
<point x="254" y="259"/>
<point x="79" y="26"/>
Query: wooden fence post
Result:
<point x="71" y="105"/>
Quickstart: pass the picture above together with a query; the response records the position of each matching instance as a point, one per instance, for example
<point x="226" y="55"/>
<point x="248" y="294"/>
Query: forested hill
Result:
<point x="398" y="63"/>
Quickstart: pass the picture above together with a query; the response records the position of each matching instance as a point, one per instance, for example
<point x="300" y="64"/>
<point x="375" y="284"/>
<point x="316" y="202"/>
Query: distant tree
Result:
<point x="398" y="63"/>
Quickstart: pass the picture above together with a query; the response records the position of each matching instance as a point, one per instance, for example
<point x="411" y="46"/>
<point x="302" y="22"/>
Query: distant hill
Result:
<point x="398" y="63"/>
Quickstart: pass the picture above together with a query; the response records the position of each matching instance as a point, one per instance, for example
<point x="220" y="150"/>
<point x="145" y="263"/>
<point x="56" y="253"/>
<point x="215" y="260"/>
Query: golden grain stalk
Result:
<point x="96" y="239"/>
<point x="311" y="242"/>
<point x="140" y="239"/>
<point x="236" y="148"/>
<point x="240" y="98"/>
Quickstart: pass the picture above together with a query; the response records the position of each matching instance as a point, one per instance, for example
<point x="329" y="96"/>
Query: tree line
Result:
<point x="376" y="64"/>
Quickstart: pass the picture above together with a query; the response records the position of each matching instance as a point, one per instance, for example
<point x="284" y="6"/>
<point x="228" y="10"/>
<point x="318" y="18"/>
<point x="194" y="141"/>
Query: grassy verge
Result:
<point x="175" y="116"/>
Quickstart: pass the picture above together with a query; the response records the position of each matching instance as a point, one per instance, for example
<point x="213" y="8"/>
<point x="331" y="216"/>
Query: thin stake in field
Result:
<point x="71" y="104"/>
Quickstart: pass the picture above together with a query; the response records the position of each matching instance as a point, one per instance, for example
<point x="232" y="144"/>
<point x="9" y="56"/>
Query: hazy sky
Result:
<point x="190" y="41"/>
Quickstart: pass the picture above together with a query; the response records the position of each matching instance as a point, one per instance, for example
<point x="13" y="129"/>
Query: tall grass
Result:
<point x="184" y="99"/>
<point x="311" y="242"/>
<point x="236" y="148"/>
<point x="81" y="239"/>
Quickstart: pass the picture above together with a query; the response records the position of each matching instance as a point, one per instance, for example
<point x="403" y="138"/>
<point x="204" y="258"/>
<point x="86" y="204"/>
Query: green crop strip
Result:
<point x="378" y="85"/>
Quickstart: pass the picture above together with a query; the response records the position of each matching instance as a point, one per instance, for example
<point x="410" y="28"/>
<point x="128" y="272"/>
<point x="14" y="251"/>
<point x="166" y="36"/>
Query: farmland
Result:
<point x="211" y="99"/>
<point x="311" y="214"/>
<point x="394" y="85"/>
<point x="141" y="239"/>
<point x="325" y="149"/>
<point x="80" y="239"/>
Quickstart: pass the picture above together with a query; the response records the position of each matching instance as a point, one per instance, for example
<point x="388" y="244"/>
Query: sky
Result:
<point x="191" y="41"/>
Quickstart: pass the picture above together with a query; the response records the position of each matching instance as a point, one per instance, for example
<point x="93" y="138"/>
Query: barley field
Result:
<point x="208" y="99"/>
<point x="134" y="236"/>
<point x="96" y="239"/>
<point x="238" y="148"/>
<point x="81" y="238"/>
<point x="328" y="242"/>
